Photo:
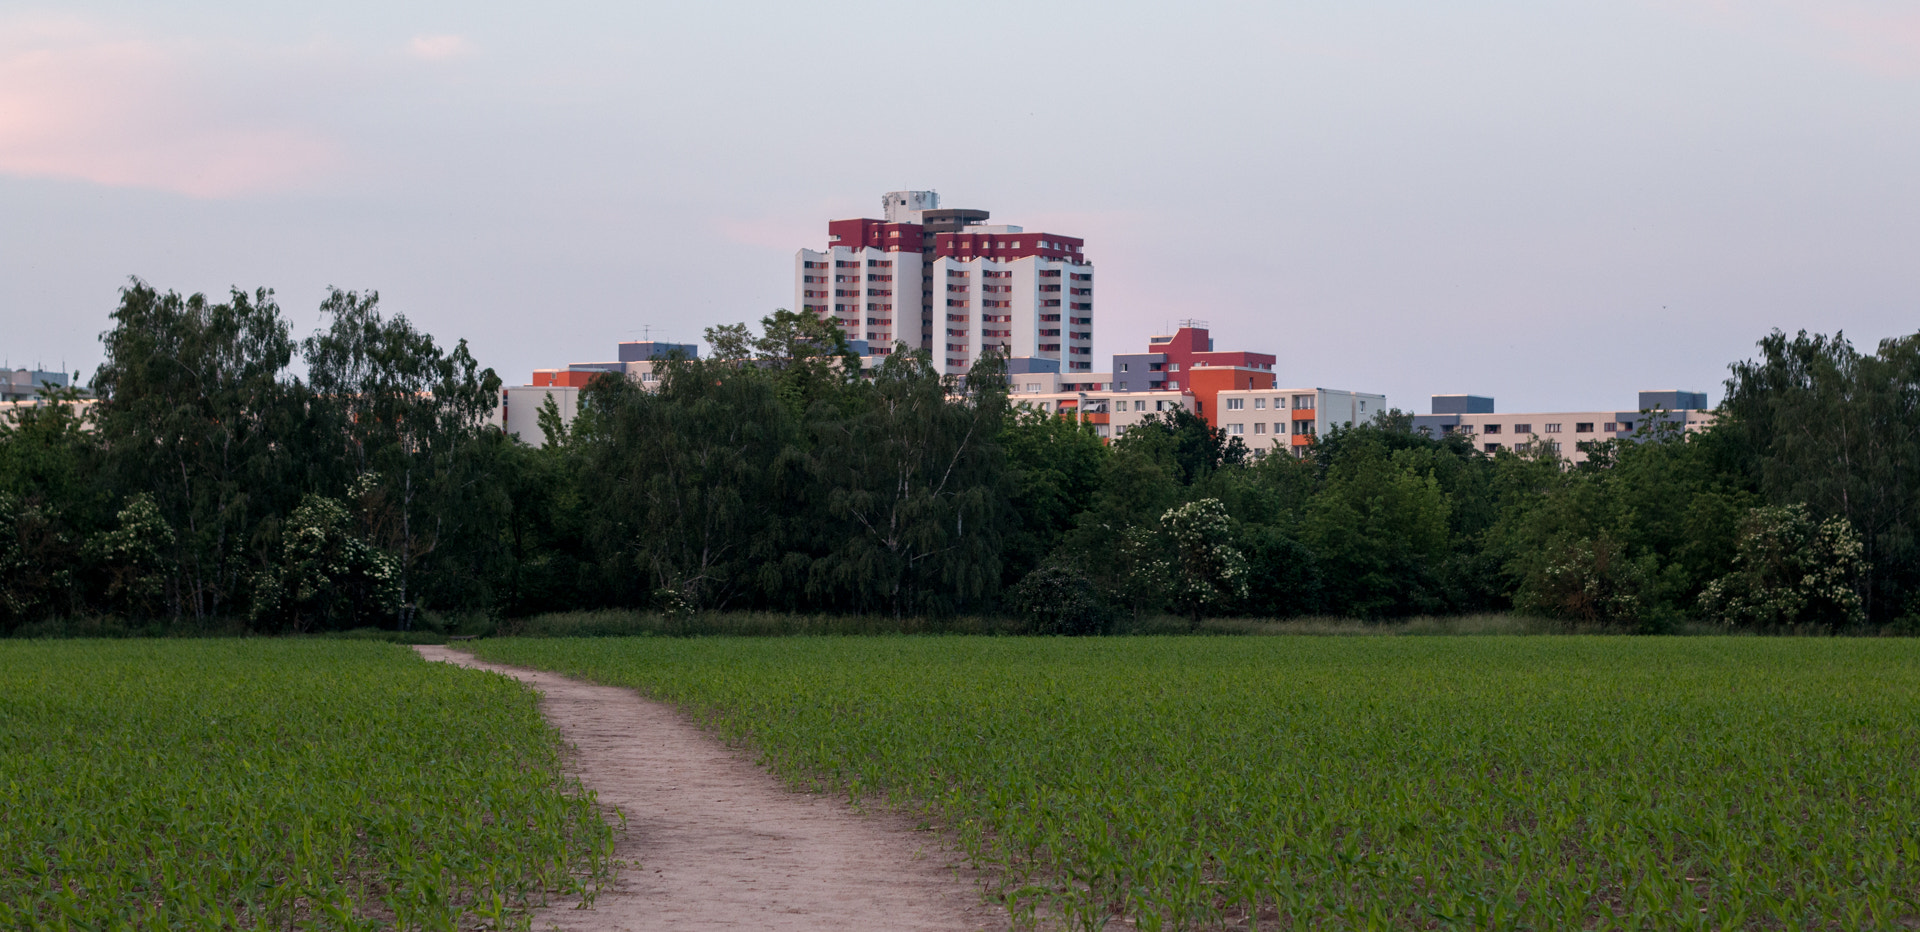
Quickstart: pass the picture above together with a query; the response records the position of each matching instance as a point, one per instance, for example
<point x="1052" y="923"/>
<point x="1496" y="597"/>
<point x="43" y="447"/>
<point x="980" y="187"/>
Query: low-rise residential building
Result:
<point x="520" y="405"/>
<point x="1565" y="433"/>
<point x="1234" y="391"/>
<point x="1290" y="418"/>
<point x="1185" y="361"/>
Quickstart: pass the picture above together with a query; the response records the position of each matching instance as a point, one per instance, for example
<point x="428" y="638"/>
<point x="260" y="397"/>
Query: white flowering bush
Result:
<point x="1204" y="570"/>
<point x="674" y="602"/>
<point x="134" y="557"/>
<point x="1790" y="571"/>
<point x="326" y="577"/>
<point x="1595" y="582"/>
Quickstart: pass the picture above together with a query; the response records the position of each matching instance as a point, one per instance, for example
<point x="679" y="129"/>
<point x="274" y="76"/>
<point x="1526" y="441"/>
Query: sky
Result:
<point x="1555" y="203"/>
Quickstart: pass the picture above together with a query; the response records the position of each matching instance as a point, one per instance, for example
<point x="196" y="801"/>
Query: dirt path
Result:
<point x="720" y="844"/>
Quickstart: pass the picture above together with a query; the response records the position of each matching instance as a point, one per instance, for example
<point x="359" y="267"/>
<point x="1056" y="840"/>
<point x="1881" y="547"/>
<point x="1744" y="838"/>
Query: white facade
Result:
<point x="873" y="294"/>
<point x="947" y="283"/>
<point x="1111" y="413"/>
<point x="1016" y="306"/>
<point x="519" y="411"/>
<point x="1290" y="418"/>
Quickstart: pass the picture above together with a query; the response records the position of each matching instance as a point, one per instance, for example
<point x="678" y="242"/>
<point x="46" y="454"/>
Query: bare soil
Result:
<point x="714" y="841"/>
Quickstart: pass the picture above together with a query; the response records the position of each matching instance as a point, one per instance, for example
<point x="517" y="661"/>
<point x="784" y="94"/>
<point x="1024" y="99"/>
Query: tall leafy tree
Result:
<point x="406" y="413"/>
<point x="695" y="486"/>
<point x="1821" y="423"/>
<point x="197" y="407"/>
<point x="915" y="487"/>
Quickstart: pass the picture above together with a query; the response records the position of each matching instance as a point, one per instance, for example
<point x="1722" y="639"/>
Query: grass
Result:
<point x="326" y="784"/>
<point x="1353" y="783"/>
<point x="629" y="623"/>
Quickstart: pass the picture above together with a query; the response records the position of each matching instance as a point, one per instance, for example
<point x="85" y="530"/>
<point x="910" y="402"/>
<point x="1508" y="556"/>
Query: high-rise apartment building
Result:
<point x="944" y="281"/>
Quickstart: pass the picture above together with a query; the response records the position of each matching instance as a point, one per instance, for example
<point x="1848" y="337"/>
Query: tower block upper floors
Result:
<point x="943" y="282"/>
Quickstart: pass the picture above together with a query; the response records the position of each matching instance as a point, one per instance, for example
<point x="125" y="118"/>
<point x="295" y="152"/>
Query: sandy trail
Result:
<point x="715" y="842"/>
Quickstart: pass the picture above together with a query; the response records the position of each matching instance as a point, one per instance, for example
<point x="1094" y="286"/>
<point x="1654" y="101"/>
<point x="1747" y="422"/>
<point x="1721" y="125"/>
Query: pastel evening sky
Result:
<point x="1557" y="203"/>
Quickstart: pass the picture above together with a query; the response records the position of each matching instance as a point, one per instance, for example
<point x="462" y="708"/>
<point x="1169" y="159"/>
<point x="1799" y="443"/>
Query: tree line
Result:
<point x="214" y="480"/>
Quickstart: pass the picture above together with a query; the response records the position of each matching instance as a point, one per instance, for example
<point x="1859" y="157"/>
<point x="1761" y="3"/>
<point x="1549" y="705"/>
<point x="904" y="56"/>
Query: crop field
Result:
<point x="278" y="784"/>
<point x="1362" y="783"/>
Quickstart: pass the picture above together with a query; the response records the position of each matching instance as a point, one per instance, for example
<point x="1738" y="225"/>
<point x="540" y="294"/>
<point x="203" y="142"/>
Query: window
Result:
<point x="1303" y="402"/>
<point x="1159" y="406"/>
<point x="1033" y="386"/>
<point x="1490" y="428"/>
<point x="1583" y="427"/>
<point x="1626" y="425"/>
<point x="1522" y="447"/>
<point x="1139" y="406"/>
<point x="1123" y="367"/>
<point x="1259" y="428"/>
<point x="1553" y="428"/>
<point x="1259" y="403"/>
<point x="1155" y="367"/>
<point x="1610" y="427"/>
<point x="1522" y="429"/>
<point x="1493" y="448"/>
<point x="1236" y="404"/>
<point x="1236" y="429"/>
<point x="1173" y="367"/>
<point x="1123" y="386"/>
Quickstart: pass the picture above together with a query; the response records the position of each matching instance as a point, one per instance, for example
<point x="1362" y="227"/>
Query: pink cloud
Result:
<point x="783" y="233"/>
<point x="439" y="48"/>
<point x="1874" y="35"/>
<point x="80" y="104"/>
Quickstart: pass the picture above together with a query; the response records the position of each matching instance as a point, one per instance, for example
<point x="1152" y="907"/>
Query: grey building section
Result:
<point x="25" y="384"/>
<point x="1462" y="404"/>
<point x="1140" y="372"/>
<point x="1026" y="365"/>
<point x="1674" y="401"/>
<point x="643" y="350"/>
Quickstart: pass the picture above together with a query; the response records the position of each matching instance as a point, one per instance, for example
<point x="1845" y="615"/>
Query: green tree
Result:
<point x="1055" y="462"/>
<point x="197" y="411"/>
<point x="915" y="489"/>
<point x="1822" y="424"/>
<point x="408" y="413"/>
<point x="693" y="486"/>
<point x="1380" y="532"/>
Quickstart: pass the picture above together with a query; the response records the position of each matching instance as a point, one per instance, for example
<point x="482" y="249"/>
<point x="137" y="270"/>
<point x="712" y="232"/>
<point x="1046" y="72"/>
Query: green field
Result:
<point x="278" y="784"/>
<point x="1483" y="783"/>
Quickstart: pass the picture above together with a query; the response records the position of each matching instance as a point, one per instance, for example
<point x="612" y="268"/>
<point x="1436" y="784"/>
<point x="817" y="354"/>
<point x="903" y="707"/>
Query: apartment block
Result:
<point x="944" y="281"/>
<point x="1566" y="433"/>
